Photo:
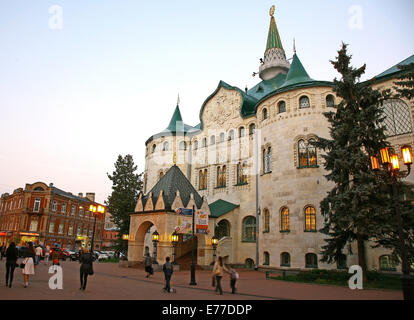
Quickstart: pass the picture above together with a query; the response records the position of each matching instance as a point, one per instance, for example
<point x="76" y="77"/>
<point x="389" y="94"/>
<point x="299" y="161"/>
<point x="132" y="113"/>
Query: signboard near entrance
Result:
<point x="185" y="218"/>
<point x="201" y="222"/>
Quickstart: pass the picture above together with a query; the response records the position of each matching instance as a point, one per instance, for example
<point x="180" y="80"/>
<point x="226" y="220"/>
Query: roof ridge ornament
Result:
<point x="272" y="11"/>
<point x="178" y="99"/>
<point x="294" y="46"/>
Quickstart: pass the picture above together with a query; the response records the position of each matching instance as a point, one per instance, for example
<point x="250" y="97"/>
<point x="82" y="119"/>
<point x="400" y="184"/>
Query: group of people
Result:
<point x="218" y="273"/>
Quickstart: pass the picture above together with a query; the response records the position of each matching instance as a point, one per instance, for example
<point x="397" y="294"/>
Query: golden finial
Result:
<point x="175" y="158"/>
<point x="272" y="11"/>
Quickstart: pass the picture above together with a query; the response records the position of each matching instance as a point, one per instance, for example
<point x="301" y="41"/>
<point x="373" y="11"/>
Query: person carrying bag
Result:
<point x="86" y="268"/>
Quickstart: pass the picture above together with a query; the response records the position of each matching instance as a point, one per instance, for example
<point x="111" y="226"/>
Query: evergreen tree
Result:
<point x="405" y="87"/>
<point x="126" y="186"/>
<point x="353" y="209"/>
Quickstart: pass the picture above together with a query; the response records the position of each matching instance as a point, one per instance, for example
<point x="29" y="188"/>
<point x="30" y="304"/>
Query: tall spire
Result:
<point x="176" y="123"/>
<point x="274" y="58"/>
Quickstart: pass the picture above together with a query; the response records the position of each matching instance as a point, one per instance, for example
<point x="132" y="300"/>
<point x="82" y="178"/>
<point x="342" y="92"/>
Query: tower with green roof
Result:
<point x="274" y="61"/>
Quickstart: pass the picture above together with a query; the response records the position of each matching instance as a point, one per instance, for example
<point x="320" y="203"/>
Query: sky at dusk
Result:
<point x="82" y="85"/>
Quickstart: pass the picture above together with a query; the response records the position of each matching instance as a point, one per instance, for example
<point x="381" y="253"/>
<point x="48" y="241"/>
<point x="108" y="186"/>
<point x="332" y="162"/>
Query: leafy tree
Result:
<point x="126" y="186"/>
<point x="353" y="209"/>
<point x="405" y="87"/>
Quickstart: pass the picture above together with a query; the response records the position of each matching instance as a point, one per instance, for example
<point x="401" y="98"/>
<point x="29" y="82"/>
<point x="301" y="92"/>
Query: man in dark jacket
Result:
<point x="11" y="258"/>
<point x="168" y="271"/>
<point x="86" y="269"/>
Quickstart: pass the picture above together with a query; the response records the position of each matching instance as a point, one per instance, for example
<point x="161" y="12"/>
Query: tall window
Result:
<point x="63" y="208"/>
<point x="241" y="132"/>
<point x="80" y="212"/>
<point x="33" y="225"/>
<point x="20" y="203"/>
<point x="195" y="145"/>
<point x="78" y="230"/>
<point x="154" y="146"/>
<point x="281" y="107"/>
<point x="265" y="114"/>
<point x="249" y="229"/>
<point x="221" y="177"/>
<point x="387" y="263"/>
<point x="311" y="260"/>
<point x="70" y="230"/>
<point x="183" y="145"/>
<point x="330" y="101"/>
<point x="304" y="102"/>
<point x="231" y="135"/>
<point x="204" y="143"/>
<point x="266" y="258"/>
<point x="213" y="140"/>
<point x="165" y="146"/>
<point x="267" y="160"/>
<point x="73" y="210"/>
<point x="202" y="179"/>
<point x="285" y="259"/>
<point x="252" y="129"/>
<point x="60" y="228"/>
<point x="222" y="229"/>
<point x="398" y="118"/>
<point x="54" y="206"/>
<point x="307" y="154"/>
<point x="241" y="173"/>
<point x="310" y="219"/>
<point x="266" y="221"/>
<point x="36" y="206"/>
<point x="222" y="137"/>
<point x="284" y="220"/>
<point x="51" y="227"/>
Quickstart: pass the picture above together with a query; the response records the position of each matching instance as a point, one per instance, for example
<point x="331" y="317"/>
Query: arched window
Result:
<point x="264" y="114"/>
<point x="285" y="259"/>
<point x="213" y="140"/>
<point x="205" y="179"/>
<point x="398" y="118"/>
<point x="221" y="177"/>
<point x="165" y="146"/>
<point x="310" y="219"/>
<point x="231" y="135"/>
<point x="222" y="229"/>
<point x="307" y="154"/>
<point x="311" y="260"/>
<point x="249" y="263"/>
<point x="266" y="222"/>
<point x="183" y="145"/>
<point x="341" y="263"/>
<point x="266" y="258"/>
<point x="249" y="229"/>
<point x="154" y="146"/>
<point x="222" y="137"/>
<point x="252" y="128"/>
<point x="218" y="177"/>
<point x="204" y="143"/>
<point x="195" y="145"/>
<point x="267" y="160"/>
<point x="223" y="173"/>
<point x="201" y="180"/>
<point x="304" y="102"/>
<point x="387" y="263"/>
<point x="330" y="101"/>
<point x="241" y="173"/>
<point x="281" y="107"/>
<point x="241" y="132"/>
<point x="284" y="220"/>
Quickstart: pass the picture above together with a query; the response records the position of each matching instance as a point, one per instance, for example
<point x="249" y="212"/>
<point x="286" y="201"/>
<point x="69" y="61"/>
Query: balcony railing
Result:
<point x="32" y="211"/>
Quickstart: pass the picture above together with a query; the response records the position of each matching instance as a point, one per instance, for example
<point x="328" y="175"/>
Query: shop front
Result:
<point x="5" y="237"/>
<point x="82" y="242"/>
<point x="26" y="237"/>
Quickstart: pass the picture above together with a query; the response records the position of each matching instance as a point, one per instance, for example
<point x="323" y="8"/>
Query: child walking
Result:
<point x="233" y="278"/>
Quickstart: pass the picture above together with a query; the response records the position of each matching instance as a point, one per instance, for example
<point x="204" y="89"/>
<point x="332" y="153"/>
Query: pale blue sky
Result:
<point x="71" y="100"/>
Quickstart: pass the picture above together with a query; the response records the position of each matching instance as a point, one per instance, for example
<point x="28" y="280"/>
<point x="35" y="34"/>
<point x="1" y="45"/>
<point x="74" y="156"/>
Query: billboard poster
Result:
<point x="201" y="222"/>
<point x="185" y="219"/>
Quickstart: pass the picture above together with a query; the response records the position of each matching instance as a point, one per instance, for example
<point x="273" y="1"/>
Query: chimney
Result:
<point x="51" y="184"/>
<point x="80" y="194"/>
<point x="90" y="196"/>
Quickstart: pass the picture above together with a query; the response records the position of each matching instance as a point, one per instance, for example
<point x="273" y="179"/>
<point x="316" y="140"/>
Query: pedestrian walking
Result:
<point x="86" y="268"/>
<point x="39" y="252"/>
<point x="55" y="257"/>
<point x="218" y="272"/>
<point x="2" y="248"/>
<point x="28" y="262"/>
<point x="234" y="275"/>
<point x="11" y="258"/>
<point x="168" y="271"/>
<point x="47" y="254"/>
<point x="148" y="265"/>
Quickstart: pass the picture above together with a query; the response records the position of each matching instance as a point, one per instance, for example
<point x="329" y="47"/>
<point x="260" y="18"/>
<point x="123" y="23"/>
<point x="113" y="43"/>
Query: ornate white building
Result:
<point x="264" y="130"/>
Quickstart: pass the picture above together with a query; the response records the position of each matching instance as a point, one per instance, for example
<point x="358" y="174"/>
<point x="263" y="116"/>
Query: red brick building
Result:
<point x="109" y="237"/>
<point x="48" y="215"/>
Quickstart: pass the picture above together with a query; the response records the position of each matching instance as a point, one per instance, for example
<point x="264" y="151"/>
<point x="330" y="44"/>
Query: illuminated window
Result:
<point x="307" y="154"/>
<point x="387" y="263"/>
<point x="284" y="220"/>
<point x="249" y="229"/>
<point x="310" y="219"/>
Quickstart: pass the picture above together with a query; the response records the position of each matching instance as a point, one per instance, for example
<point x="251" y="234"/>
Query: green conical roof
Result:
<point x="176" y="123"/>
<point x="273" y="39"/>
<point x="297" y="73"/>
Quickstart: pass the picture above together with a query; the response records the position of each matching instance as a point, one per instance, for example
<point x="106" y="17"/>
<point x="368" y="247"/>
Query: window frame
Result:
<point x="314" y="257"/>
<point x="284" y="220"/>
<point x="282" y="262"/>
<point x="312" y="224"/>
<point x="300" y="102"/>
<point x="245" y="226"/>
<point x="280" y="103"/>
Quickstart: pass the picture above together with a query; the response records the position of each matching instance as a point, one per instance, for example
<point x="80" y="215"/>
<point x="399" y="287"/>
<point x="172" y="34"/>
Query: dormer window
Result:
<point x="304" y="102"/>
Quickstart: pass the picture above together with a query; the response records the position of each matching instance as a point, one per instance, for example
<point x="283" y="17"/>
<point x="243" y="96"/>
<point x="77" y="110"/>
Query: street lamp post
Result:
<point x="155" y="238"/>
<point x="214" y="243"/>
<point x="174" y="241"/>
<point x="95" y="210"/>
<point x="391" y="165"/>
<point x="193" y="282"/>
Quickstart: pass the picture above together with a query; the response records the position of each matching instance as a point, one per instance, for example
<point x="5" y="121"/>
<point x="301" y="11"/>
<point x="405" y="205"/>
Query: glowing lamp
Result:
<point x="407" y="155"/>
<point x="214" y="241"/>
<point x="385" y="156"/>
<point x="155" y="236"/>
<point x="92" y="208"/>
<point x="125" y="236"/>
<point x="374" y="163"/>
<point x="395" y="162"/>
<point x="174" y="238"/>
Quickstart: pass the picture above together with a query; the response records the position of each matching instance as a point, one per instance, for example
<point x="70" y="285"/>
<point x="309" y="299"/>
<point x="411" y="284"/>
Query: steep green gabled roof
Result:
<point x="297" y="73"/>
<point x="176" y="123"/>
<point x="172" y="181"/>
<point x="221" y="207"/>
<point x="273" y="38"/>
<point x="393" y="70"/>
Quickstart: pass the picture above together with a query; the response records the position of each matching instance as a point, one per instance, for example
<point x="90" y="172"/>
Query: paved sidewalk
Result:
<point x="111" y="282"/>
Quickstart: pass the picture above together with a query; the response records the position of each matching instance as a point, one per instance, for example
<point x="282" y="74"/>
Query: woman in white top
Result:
<point x="218" y="272"/>
<point x="28" y="262"/>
